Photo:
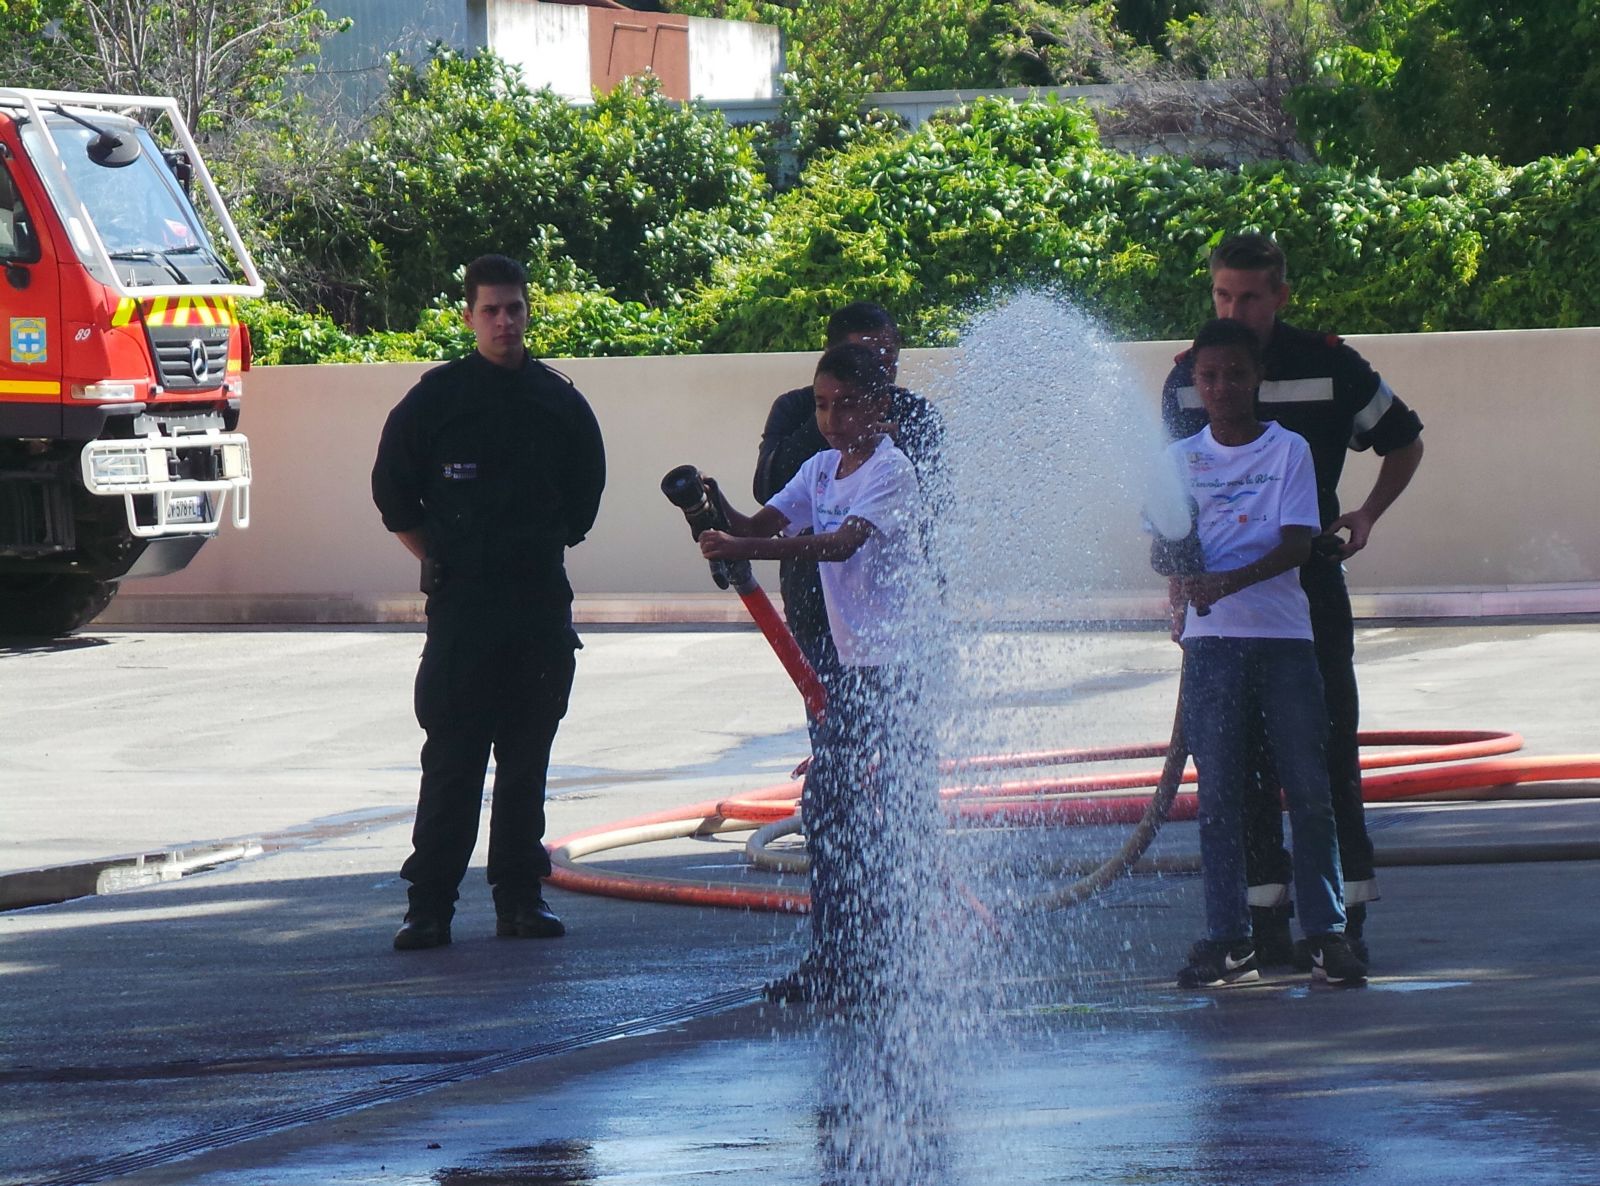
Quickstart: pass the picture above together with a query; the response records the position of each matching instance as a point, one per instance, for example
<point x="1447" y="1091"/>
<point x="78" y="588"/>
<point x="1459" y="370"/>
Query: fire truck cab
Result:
<point x="122" y="359"/>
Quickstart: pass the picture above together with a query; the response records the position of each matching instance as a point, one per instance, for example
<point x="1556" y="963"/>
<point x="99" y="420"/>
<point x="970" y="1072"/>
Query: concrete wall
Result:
<point x="733" y="59"/>
<point x="550" y="42"/>
<point x="352" y="66"/>
<point x="1190" y="104"/>
<point x="1501" y="519"/>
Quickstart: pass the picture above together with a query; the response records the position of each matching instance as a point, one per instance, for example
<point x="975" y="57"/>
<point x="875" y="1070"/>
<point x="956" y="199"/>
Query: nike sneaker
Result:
<point x="1335" y="961"/>
<point x="1214" y="964"/>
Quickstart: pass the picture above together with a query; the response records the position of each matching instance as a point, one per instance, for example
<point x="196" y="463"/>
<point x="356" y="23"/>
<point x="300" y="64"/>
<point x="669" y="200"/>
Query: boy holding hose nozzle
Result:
<point x="860" y="500"/>
<point x="1247" y="651"/>
<point x="791" y="436"/>
<point x="1317" y="386"/>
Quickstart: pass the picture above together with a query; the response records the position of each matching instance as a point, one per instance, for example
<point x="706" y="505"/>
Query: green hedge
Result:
<point x="633" y="194"/>
<point x="938" y="222"/>
<point x="1007" y="194"/>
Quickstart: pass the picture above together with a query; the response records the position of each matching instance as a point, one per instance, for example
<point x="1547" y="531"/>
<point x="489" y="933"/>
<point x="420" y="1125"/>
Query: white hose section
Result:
<point x="762" y="857"/>
<point x="567" y="854"/>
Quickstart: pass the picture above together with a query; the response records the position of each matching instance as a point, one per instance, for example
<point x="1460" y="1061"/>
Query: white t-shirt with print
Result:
<point x="1247" y="494"/>
<point x="876" y="597"/>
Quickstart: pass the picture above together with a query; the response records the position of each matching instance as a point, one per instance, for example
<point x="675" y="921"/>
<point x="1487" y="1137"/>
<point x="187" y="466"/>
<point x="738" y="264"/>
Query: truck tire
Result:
<point x="48" y="605"/>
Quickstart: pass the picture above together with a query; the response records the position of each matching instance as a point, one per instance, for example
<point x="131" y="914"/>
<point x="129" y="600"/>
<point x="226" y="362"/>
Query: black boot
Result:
<point x="1269" y="928"/>
<point x="1355" y="925"/>
<point x="422" y="930"/>
<point x="530" y="918"/>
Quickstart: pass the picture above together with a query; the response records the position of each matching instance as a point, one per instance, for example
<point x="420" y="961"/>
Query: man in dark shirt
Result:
<point x="791" y="436"/>
<point x="487" y="471"/>
<point x="1322" y="389"/>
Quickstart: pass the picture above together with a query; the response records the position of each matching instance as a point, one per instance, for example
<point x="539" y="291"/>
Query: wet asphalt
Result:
<point x="249" y="1023"/>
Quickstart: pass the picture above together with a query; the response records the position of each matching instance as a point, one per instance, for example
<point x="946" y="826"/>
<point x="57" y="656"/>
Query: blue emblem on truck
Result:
<point x="28" y="340"/>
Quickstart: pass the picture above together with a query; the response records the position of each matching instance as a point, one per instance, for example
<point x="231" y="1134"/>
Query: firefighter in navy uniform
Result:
<point x="1322" y="389"/>
<point x="487" y="471"/>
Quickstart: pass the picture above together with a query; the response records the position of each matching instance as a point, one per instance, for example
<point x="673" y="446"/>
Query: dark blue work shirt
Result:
<point x="502" y="469"/>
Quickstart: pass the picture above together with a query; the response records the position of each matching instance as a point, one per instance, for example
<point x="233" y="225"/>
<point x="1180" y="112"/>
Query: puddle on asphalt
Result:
<point x="1189" y="1002"/>
<point x="1387" y="985"/>
<point x="551" y="1163"/>
<point x="1154" y="1101"/>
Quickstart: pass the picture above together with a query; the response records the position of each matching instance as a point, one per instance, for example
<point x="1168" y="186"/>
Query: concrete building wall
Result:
<point x="550" y="42"/>
<point x="353" y="64"/>
<point x="1502" y="518"/>
<point x="733" y="59"/>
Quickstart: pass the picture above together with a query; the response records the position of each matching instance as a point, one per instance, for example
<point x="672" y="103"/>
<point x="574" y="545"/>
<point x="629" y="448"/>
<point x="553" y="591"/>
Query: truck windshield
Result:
<point x="143" y="217"/>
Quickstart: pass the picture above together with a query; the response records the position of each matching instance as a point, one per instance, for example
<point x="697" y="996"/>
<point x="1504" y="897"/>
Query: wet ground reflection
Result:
<point x="552" y="1163"/>
<point x="1077" y="1098"/>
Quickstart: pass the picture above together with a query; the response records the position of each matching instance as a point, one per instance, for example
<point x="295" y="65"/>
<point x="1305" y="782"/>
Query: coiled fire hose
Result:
<point x="1065" y="801"/>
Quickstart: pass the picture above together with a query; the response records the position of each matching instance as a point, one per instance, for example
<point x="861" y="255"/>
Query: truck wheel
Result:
<point x="46" y="605"/>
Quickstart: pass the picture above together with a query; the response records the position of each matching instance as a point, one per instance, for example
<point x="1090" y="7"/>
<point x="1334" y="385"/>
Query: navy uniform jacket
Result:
<point x="502" y="469"/>
<point x="1316" y="386"/>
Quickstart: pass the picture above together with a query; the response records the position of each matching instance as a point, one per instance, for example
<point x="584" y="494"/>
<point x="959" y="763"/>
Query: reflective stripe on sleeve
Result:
<point x="1297" y="391"/>
<point x="1367" y="419"/>
<point x="1273" y="391"/>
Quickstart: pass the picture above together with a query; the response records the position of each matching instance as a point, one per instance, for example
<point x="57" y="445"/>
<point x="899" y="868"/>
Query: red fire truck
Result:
<point x="121" y="366"/>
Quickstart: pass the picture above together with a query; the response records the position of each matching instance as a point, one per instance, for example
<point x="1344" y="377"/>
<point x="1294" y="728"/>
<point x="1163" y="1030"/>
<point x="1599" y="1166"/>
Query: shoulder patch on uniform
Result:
<point x="1333" y="339"/>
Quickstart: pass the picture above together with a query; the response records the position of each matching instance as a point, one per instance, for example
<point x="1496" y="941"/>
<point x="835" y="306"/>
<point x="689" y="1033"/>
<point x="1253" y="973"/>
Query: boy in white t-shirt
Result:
<point x="857" y="510"/>
<point x="1247" y="649"/>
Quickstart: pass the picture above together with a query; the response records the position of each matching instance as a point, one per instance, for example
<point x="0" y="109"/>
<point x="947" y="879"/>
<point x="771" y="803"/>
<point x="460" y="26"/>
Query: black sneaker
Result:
<point x="1214" y="964"/>
<point x="1333" y="960"/>
<point x="532" y="919"/>
<point x="1269" y="931"/>
<point x="1302" y="952"/>
<point x="422" y="931"/>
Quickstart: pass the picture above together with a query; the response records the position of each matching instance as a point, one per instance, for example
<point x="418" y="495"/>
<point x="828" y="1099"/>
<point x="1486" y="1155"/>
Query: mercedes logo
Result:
<point x="199" y="365"/>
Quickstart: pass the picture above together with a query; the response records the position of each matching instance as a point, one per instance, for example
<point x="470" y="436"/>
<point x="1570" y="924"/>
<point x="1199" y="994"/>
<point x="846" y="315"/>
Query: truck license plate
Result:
<point x="188" y="508"/>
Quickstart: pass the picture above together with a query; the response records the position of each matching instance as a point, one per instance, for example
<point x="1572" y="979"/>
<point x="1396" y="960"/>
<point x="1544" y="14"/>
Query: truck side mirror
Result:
<point x="114" y="152"/>
<point x="178" y="161"/>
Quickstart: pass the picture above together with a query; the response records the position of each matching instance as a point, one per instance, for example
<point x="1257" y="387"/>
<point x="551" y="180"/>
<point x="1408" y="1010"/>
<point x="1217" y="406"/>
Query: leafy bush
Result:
<point x="919" y="224"/>
<point x="935" y="223"/>
<point x="563" y="325"/>
<point x="634" y="195"/>
<point x="1006" y="194"/>
<point x="1425" y="81"/>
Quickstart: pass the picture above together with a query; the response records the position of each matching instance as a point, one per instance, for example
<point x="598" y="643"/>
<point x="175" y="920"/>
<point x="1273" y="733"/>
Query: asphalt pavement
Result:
<point x="216" y="1000"/>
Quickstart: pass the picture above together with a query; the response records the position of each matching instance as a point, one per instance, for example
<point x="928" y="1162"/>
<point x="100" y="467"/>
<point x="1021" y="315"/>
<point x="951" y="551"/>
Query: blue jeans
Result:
<point x="872" y="823"/>
<point x="1267" y="865"/>
<point x="1228" y="685"/>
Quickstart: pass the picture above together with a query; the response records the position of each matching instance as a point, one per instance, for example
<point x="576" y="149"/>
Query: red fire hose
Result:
<point x="783" y="645"/>
<point x="1039" y="802"/>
